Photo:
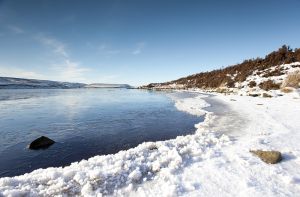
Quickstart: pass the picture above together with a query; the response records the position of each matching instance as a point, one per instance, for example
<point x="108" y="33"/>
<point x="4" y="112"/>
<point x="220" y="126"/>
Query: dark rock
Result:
<point x="265" y="95"/>
<point x="41" y="142"/>
<point x="271" y="157"/>
<point x="254" y="95"/>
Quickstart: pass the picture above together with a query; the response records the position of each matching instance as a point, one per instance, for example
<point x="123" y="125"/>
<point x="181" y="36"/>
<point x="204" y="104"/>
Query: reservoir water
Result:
<point x="84" y="123"/>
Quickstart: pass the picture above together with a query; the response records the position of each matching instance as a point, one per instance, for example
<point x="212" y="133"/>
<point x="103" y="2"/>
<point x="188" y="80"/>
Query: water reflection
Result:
<point x="84" y="123"/>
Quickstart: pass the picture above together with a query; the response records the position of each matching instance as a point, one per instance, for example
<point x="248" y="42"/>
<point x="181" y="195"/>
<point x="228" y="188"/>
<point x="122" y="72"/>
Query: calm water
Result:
<point x="84" y="123"/>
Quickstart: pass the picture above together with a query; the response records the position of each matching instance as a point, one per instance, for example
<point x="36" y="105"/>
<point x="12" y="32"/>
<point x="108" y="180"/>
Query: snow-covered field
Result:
<point x="207" y="163"/>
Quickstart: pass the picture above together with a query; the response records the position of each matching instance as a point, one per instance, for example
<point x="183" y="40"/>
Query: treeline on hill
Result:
<point x="223" y="77"/>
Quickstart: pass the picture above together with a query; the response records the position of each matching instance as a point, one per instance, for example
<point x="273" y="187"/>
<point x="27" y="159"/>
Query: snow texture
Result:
<point x="196" y="108"/>
<point x="124" y="173"/>
<point x="258" y="77"/>
<point x="207" y="163"/>
<point x="243" y="88"/>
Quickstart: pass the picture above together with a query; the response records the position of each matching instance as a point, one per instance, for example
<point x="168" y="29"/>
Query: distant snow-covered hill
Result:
<point x="19" y="83"/>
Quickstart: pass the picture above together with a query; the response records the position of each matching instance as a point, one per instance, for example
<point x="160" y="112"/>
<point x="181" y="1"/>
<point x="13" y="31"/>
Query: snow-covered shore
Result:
<point x="269" y="124"/>
<point x="207" y="163"/>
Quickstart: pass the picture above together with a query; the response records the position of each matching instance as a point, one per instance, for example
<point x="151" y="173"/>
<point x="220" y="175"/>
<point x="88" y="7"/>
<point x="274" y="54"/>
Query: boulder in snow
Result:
<point x="254" y="95"/>
<point x="270" y="157"/>
<point x="265" y="95"/>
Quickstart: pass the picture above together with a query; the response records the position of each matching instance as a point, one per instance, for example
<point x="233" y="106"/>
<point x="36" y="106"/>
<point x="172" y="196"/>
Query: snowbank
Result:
<point x="206" y="163"/>
<point x="125" y="172"/>
<point x="193" y="106"/>
<point x="192" y="102"/>
<point x="268" y="124"/>
<point x="258" y="77"/>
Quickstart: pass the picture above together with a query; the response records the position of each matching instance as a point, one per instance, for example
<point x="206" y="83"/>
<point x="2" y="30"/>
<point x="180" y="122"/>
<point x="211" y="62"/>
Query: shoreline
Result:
<point x="151" y="119"/>
<point x="193" y="165"/>
<point x="156" y="154"/>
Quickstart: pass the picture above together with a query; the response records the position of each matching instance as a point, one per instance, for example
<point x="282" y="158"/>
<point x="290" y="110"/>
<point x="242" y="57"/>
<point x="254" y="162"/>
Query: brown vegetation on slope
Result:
<point x="292" y="80"/>
<point x="239" y="72"/>
<point x="269" y="85"/>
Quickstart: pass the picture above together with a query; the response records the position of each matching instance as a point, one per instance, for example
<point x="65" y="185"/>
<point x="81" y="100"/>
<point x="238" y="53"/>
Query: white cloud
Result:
<point x="6" y="71"/>
<point x="113" y="52"/>
<point x="139" y="47"/>
<point x="67" y="69"/>
<point x="108" y="78"/>
<point x="70" y="71"/>
<point x="103" y="48"/>
<point x="57" y="46"/>
<point x="63" y="66"/>
<point x="15" y="29"/>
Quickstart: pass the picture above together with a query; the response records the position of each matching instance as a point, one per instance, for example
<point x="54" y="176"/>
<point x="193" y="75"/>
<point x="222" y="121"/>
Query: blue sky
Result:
<point x="138" y="41"/>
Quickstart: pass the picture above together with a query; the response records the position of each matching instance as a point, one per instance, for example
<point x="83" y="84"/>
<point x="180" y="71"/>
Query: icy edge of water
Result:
<point x="124" y="172"/>
<point x="194" y="106"/>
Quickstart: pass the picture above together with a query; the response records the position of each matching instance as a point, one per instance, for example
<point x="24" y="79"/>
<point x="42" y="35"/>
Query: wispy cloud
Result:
<point x="67" y="69"/>
<point x="108" y="78"/>
<point x="63" y="68"/>
<point x="15" y="29"/>
<point x="103" y="48"/>
<point x="57" y="46"/>
<point x="113" y="52"/>
<point x="20" y="73"/>
<point x="139" y="48"/>
<point x="70" y="71"/>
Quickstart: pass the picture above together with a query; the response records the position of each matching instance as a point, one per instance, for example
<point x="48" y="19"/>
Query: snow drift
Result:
<point x="124" y="172"/>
